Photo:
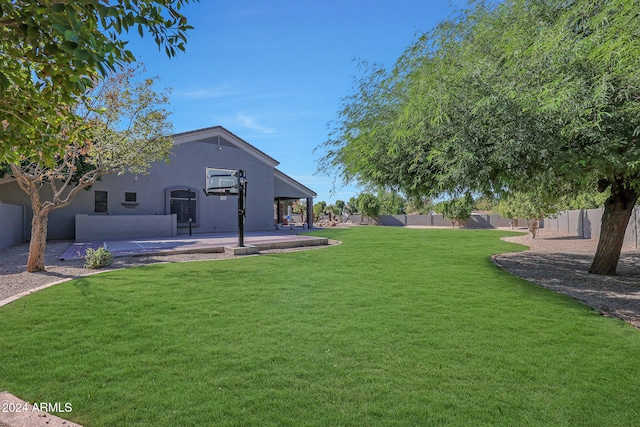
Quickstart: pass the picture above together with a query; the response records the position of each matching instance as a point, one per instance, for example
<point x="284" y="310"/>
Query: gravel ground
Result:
<point x="13" y="264"/>
<point x="560" y="262"/>
<point x="555" y="261"/>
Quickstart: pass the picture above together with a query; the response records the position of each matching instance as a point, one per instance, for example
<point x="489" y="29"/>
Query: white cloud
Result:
<point x="222" y="90"/>
<point x="245" y="124"/>
<point x="251" y="122"/>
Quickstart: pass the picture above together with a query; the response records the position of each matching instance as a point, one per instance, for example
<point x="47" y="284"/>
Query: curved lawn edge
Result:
<point x="392" y="327"/>
<point x="496" y="262"/>
<point x="36" y="289"/>
<point x="563" y="269"/>
<point x="168" y="258"/>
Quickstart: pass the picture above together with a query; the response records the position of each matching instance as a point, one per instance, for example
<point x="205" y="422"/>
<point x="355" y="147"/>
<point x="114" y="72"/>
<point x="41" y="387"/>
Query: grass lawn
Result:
<point x="395" y="327"/>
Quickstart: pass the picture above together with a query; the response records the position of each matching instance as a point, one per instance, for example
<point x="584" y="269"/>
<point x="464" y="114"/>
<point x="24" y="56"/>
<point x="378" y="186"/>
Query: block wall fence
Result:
<point x="476" y="221"/>
<point x="582" y="223"/>
<point x="13" y="219"/>
<point x="585" y="223"/>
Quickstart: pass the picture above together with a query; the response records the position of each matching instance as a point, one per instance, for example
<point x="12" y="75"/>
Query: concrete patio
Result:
<point x="200" y="243"/>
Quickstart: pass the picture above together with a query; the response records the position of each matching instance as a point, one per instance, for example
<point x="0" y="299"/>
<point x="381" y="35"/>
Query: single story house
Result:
<point x="170" y="200"/>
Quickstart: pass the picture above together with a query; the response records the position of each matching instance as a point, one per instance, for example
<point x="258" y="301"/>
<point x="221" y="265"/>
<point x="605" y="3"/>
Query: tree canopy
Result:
<point x="369" y="205"/>
<point x="456" y="210"/>
<point x="501" y="98"/>
<point x="124" y="128"/>
<point x="52" y="51"/>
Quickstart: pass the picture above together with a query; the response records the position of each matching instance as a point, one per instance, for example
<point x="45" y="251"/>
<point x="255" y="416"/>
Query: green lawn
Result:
<point x="395" y="327"/>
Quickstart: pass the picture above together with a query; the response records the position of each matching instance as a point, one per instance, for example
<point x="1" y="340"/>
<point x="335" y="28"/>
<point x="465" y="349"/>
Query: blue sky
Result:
<point x="275" y="72"/>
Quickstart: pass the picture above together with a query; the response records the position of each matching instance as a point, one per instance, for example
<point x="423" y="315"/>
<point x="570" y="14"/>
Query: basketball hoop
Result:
<point x="229" y="182"/>
<point x="222" y="182"/>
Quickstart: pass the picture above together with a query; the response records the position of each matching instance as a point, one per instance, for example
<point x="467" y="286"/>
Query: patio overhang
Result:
<point x="287" y="188"/>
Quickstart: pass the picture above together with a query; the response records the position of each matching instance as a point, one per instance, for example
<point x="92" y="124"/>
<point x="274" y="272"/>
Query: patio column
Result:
<point x="309" y="212"/>
<point x="278" y="212"/>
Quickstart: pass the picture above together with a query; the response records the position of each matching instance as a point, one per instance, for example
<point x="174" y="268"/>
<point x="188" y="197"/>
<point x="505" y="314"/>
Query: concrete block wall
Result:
<point x="586" y="224"/>
<point x="12" y="225"/>
<point x="476" y="221"/>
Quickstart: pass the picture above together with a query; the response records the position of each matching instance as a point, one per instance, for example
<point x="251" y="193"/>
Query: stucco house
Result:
<point x="161" y="203"/>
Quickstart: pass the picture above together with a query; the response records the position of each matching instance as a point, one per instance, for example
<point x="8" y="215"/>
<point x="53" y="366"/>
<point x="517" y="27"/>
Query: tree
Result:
<point x="52" y="53"/>
<point x="419" y="205"/>
<point x="125" y="128"/>
<point x="391" y="203"/>
<point x="318" y="209"/>
<point x="369" y="205"/>
<point x="457" y="210"/>
<point x="332" y="211"/>
<point x="590" y="199"/>
<point x="299" y="207"/>
<point x="504" y="97"/>
<point x="533" y="207"/>
<point x="352" y="205"/>
<point x="485" y="203"/>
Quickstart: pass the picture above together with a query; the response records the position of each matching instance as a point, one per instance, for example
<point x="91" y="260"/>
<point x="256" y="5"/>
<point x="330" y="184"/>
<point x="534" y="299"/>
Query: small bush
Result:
<point x="98" y="258"/>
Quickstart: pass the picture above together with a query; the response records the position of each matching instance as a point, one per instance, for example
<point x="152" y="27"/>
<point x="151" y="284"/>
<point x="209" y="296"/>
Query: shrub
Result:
<point x="98" y="258"/>
<point x="369" y="205"/>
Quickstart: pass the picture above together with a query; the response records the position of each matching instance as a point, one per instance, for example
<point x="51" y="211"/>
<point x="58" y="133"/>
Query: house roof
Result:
<point x="303" y="191"/>
<point x="221" y="136"/>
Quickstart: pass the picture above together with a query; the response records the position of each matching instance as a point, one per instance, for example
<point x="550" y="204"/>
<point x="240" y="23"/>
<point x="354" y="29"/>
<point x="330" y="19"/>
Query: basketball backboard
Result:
<point x="221" y="182"/>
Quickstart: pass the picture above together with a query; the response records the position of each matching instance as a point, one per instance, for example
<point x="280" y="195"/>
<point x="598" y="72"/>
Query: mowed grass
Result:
<point x="395" y="327"/>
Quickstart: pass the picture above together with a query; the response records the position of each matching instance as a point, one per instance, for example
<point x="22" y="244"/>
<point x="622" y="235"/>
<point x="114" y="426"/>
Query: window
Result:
<point x="101" y="202"/>
<point x="183" y="203"/>
<point x="130" y="200"/>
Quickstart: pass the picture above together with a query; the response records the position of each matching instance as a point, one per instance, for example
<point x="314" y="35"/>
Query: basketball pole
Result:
<point x="241" y="185"/>
<point x="242" y="208"/>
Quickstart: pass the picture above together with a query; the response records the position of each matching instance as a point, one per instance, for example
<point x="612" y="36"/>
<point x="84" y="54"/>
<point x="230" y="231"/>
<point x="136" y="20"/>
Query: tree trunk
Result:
<point x="38" y="241"/>
<point x="534" y="225"/>
<point x="617" y="211"/>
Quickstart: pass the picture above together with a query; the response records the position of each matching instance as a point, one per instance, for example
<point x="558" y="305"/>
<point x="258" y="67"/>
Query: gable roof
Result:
<point x="299" y="190"/>
<point x="221" y="136"/>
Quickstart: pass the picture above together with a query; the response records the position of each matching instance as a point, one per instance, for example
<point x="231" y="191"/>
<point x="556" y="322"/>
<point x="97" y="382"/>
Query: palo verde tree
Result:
<point x="124" y="128"/>
<point x="504" y="96"/>
<point x="52" y="52"/>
